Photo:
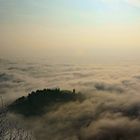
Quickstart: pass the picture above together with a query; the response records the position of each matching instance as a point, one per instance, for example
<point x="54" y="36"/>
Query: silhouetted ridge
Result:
<point x="41" y="101"/>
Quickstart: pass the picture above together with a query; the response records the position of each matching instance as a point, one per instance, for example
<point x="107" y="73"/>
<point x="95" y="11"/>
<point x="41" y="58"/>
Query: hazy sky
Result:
<point x="72" y="30"/>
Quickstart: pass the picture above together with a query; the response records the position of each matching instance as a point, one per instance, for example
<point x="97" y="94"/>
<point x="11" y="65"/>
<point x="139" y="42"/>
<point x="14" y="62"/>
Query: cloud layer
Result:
<point x="110" y="111"/>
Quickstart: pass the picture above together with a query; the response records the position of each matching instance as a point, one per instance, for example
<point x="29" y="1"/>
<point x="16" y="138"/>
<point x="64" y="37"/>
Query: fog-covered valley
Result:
<point x="110" y="109"/>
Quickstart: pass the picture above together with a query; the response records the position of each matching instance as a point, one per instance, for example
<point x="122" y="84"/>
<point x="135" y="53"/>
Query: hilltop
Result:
<point x="41" y="101"/>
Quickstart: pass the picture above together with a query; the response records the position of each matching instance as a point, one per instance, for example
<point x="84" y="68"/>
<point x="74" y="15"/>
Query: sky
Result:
<point x="79" y="31"/>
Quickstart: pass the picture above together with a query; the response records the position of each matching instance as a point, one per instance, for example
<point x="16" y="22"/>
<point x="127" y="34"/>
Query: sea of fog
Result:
<point x="110" y="111"/>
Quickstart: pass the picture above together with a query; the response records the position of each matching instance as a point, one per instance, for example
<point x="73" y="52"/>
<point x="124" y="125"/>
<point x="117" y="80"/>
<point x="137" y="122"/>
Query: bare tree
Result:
<point x="10" y="130"/>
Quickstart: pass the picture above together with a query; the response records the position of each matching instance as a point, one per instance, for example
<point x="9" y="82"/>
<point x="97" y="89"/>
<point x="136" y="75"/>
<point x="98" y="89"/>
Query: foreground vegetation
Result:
<point x="11" y="129"/>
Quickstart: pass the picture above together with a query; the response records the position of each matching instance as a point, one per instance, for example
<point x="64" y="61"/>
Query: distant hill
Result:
<point x="41" y="101"/>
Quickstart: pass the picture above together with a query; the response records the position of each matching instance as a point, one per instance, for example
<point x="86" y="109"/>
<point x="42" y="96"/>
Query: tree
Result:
<point x="10" y="130"/>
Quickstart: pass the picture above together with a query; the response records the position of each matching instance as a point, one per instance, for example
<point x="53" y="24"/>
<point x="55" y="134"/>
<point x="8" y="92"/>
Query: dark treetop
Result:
<point x="41" y="101"/>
